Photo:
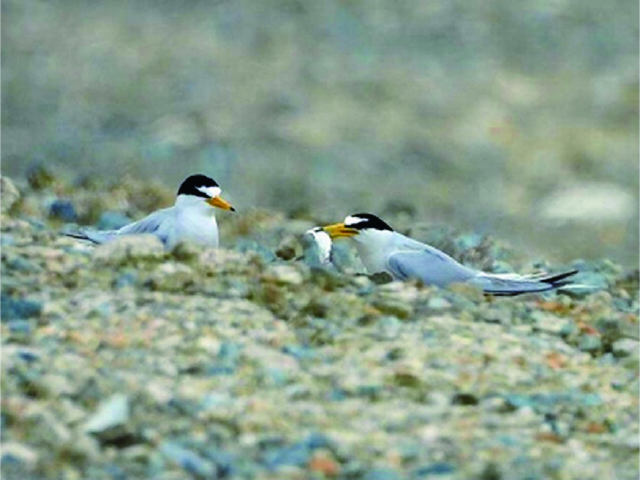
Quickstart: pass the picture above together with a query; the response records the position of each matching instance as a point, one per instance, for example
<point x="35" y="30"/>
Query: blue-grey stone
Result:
<point x="545" y="402"/>
<point x="590" y="343"/>
<point x="382" y="474"/>
<point x="22" y="264"/>
<point x="19" y="308"/>
<point x="276" y="376"/>
<point x="112" y="413"/>
<point x="438" y="303"/>
<point x="20" y="327"/>
<point x="36" y="224"/>
<point x="318" y="440"/>
<point x="28" y="356"/>
<point x="437" y="468"/>
<point x="7" y="240"/>
<point x="187" y="459"/>
<point x="226" y="360"/>
<point x="299" y="352"/>
<point x="297" y="454"/>
<point x="471" y="240"/>
<point x="224" y="463"/>
<point x="126" y="279"/>
<point x="64" y="210"/>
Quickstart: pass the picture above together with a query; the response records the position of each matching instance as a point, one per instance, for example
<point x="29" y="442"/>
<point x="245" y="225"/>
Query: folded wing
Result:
<point x="431" y="266"/>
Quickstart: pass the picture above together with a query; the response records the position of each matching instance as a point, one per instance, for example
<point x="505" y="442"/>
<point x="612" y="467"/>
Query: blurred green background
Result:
<point x="517" y="118"/>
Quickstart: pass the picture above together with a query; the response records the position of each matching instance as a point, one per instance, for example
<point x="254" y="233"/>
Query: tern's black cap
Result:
<point x="367" y="220"/>
<point x="192" y="184"/>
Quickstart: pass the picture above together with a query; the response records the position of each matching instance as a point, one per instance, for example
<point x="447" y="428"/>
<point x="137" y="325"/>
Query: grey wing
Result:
<point x="159" y="223"/>
<point x="428" y="264"/>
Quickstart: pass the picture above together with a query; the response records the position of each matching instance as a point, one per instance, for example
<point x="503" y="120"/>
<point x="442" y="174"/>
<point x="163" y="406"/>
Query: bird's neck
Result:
<point x="373" y="249"/>
<point x="193" y="205"/>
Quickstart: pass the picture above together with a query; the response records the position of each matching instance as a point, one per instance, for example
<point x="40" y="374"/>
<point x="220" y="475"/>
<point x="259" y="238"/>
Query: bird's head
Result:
<point x="200" y="188"/>
<point x="359" y="226"/>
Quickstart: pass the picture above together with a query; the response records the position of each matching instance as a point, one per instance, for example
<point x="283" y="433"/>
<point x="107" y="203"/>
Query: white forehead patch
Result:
<point x="351" y="220"/>
<point x="210" y="191"/>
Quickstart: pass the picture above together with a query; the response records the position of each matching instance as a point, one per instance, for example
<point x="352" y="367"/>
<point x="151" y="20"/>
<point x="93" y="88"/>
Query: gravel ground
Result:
<point x="124" y="361"/>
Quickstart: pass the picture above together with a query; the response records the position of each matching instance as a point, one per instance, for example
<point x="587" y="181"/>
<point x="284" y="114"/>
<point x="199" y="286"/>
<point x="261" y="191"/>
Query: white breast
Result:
<point x="196" y="227"/>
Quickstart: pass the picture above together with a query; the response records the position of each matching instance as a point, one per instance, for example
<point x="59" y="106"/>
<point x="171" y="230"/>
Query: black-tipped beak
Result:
<point x="219" y="202"/>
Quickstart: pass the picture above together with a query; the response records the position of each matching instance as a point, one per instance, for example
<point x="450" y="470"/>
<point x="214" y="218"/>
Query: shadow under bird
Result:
<point x="381" y="249"/>
<point x="189" y="219"/>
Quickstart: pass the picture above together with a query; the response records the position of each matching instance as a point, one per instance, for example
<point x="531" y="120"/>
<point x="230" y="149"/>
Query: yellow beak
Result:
<point x="338" y="230"/>
<point x="220" y="203"/>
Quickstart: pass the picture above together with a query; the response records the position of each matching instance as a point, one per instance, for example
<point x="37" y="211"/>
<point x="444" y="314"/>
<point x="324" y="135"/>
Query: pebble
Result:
<point x="62" y="209"/>
<point x="9" y="194"/>
<point x="590" y="343"/>
<point x="191" y="461"/>
<point x="284" y="275"/>
<point x="129" y="248"/>
<point x="382" y="474"/>
<point x="549" y="323"/>
<point x="110" y="415"/>
<point x="435" y="469"/>
<point x="438" y="303"/>
<point x="626" y="347"/>
<point x="19" y="452"/>
<point x="19" y="308"/>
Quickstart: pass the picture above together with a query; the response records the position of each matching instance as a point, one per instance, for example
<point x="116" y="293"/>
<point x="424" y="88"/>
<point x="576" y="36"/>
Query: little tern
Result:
<point x="189" y="219"/>
<point x="381" y="249"/>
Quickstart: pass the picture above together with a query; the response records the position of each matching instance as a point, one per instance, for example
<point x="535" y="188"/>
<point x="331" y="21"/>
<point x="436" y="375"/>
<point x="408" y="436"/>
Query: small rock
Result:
<point x="9" y="194"/>
<point x="19" y="308"/>
<point x="286" y="250"/>
<point x="187" y="459"/>
<point x="22" y="264"/>
<point x="49" y="428"/>
<point x="382" y="474"/>
<point x="64" y="210"/>
<point x="464" y="399"/>
<point x="129" y="248"/>
<point x="126" y="279"/>
<point x="297" y="454"/>
<point x="438" y="303"/>
<point x="110" y="417"/>
<point x="590" y="343"/>
<point x="284" y="274"/>
<point x="39" y="176"/>
<point x="186" y="251"/>
<point x="546" y="322"/>
<point x="324" y="463"/>
<point x="437" y="468"/>
<point x="20" y="328"/>
<point x="626" y="347"/>
<point x="496" y="315"/>
<point x="18" y="452"/>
